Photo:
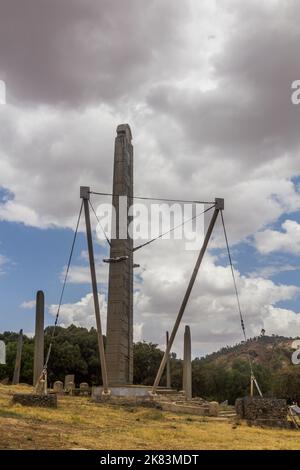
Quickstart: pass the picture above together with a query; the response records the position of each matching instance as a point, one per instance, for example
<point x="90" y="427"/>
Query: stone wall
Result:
<point x="140" y="396"/>
<point x="262" y="411"/>
<point x="27" y="399"/>
<point x="129" y="391"/>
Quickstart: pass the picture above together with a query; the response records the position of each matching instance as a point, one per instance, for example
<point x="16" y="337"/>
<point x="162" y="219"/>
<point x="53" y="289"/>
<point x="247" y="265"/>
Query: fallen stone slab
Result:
<point x="211" y="409"/>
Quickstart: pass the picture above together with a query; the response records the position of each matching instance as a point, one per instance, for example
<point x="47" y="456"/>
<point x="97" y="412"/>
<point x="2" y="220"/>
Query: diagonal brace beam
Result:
<point x="219" y="205"/>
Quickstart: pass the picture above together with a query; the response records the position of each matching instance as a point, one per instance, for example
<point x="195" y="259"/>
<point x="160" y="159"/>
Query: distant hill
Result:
<point x="273" y="352"/>
<point x="225" y="374"/>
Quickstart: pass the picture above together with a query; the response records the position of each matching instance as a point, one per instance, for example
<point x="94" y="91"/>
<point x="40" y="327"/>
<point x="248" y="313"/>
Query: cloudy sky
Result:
<point x="206" y="88"/>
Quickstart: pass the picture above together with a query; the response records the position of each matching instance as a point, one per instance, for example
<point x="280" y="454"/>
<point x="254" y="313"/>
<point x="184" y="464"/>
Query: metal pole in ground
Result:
<point x="85" y="195"/>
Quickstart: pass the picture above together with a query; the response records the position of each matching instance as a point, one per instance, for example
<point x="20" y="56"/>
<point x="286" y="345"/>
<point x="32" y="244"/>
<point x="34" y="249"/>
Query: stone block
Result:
<point x="213" y="408"/>
<point x="84" y="388"/>
<point x="262" y="411"/>
<point x="44" y="401"/>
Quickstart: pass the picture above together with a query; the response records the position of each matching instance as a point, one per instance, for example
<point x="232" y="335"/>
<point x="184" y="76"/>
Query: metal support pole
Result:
<point x="85" y="195"/>
<point x="251" y="387"/>
<point x="46" y="383"/>
<point x="219" y="205"/>
<point x="257" y="386"/>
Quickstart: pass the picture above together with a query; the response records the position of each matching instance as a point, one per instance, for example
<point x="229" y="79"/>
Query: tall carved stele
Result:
<point x="187" y="364"/>
<point x="39" y="336"/>
<point x="16" y="376"/>
<point x="119" y="345"/>
<point x="168" y="365"/>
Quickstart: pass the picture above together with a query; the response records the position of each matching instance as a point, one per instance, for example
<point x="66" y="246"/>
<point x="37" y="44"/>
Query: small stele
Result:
<point x="70" y="388"/>
<point x="84" y="388"/>
<point x="58" y="387"/>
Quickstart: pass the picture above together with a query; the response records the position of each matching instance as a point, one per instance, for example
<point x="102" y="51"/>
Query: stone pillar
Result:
<point x="84" y="388"/>
<point x="168" y="366"/>
<point x="16" y="377"/>
<point x="187" y="364"/>
<point x="68" y="379"/>
<point x="119" y="343"/>
<point x="39" y="337"/>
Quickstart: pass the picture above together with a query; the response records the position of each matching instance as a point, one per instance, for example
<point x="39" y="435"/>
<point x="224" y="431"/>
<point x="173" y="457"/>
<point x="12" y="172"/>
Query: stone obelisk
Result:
<point x="119" y="344"/>
<point x="39" y="336"/>
<point x="187" y="364"/>
<point x="168" y="366"/>
<point x="16" y="377"/>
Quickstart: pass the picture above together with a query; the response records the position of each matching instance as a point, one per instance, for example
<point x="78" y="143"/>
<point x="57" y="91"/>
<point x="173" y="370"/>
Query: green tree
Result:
<point x="147" y="358"/>
<point x="287" y="385"/>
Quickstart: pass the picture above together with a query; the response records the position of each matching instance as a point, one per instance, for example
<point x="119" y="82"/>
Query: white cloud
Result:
<point x="3" y="262"/>
<point x="29" y="334"/>
<point x="28" y="304"/>
<point x="221" y="140"/>
<point x="81" y="274"/>
<point x="137" y="332"/>
<point x="283" y="321"/>
<point x="34" y="149"/>
<point x="287" y="241"/>
<point x="212" y="310"/>
<point x="80" y="313"/>
<point x="273" y="270"/>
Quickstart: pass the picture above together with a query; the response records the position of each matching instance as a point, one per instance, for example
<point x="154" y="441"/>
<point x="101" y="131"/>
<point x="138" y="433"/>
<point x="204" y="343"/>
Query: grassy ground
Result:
<point x="79" y="424"/>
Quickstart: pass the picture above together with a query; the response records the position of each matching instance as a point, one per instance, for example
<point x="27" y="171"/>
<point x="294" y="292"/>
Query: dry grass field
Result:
<point x="78" y="423"/>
